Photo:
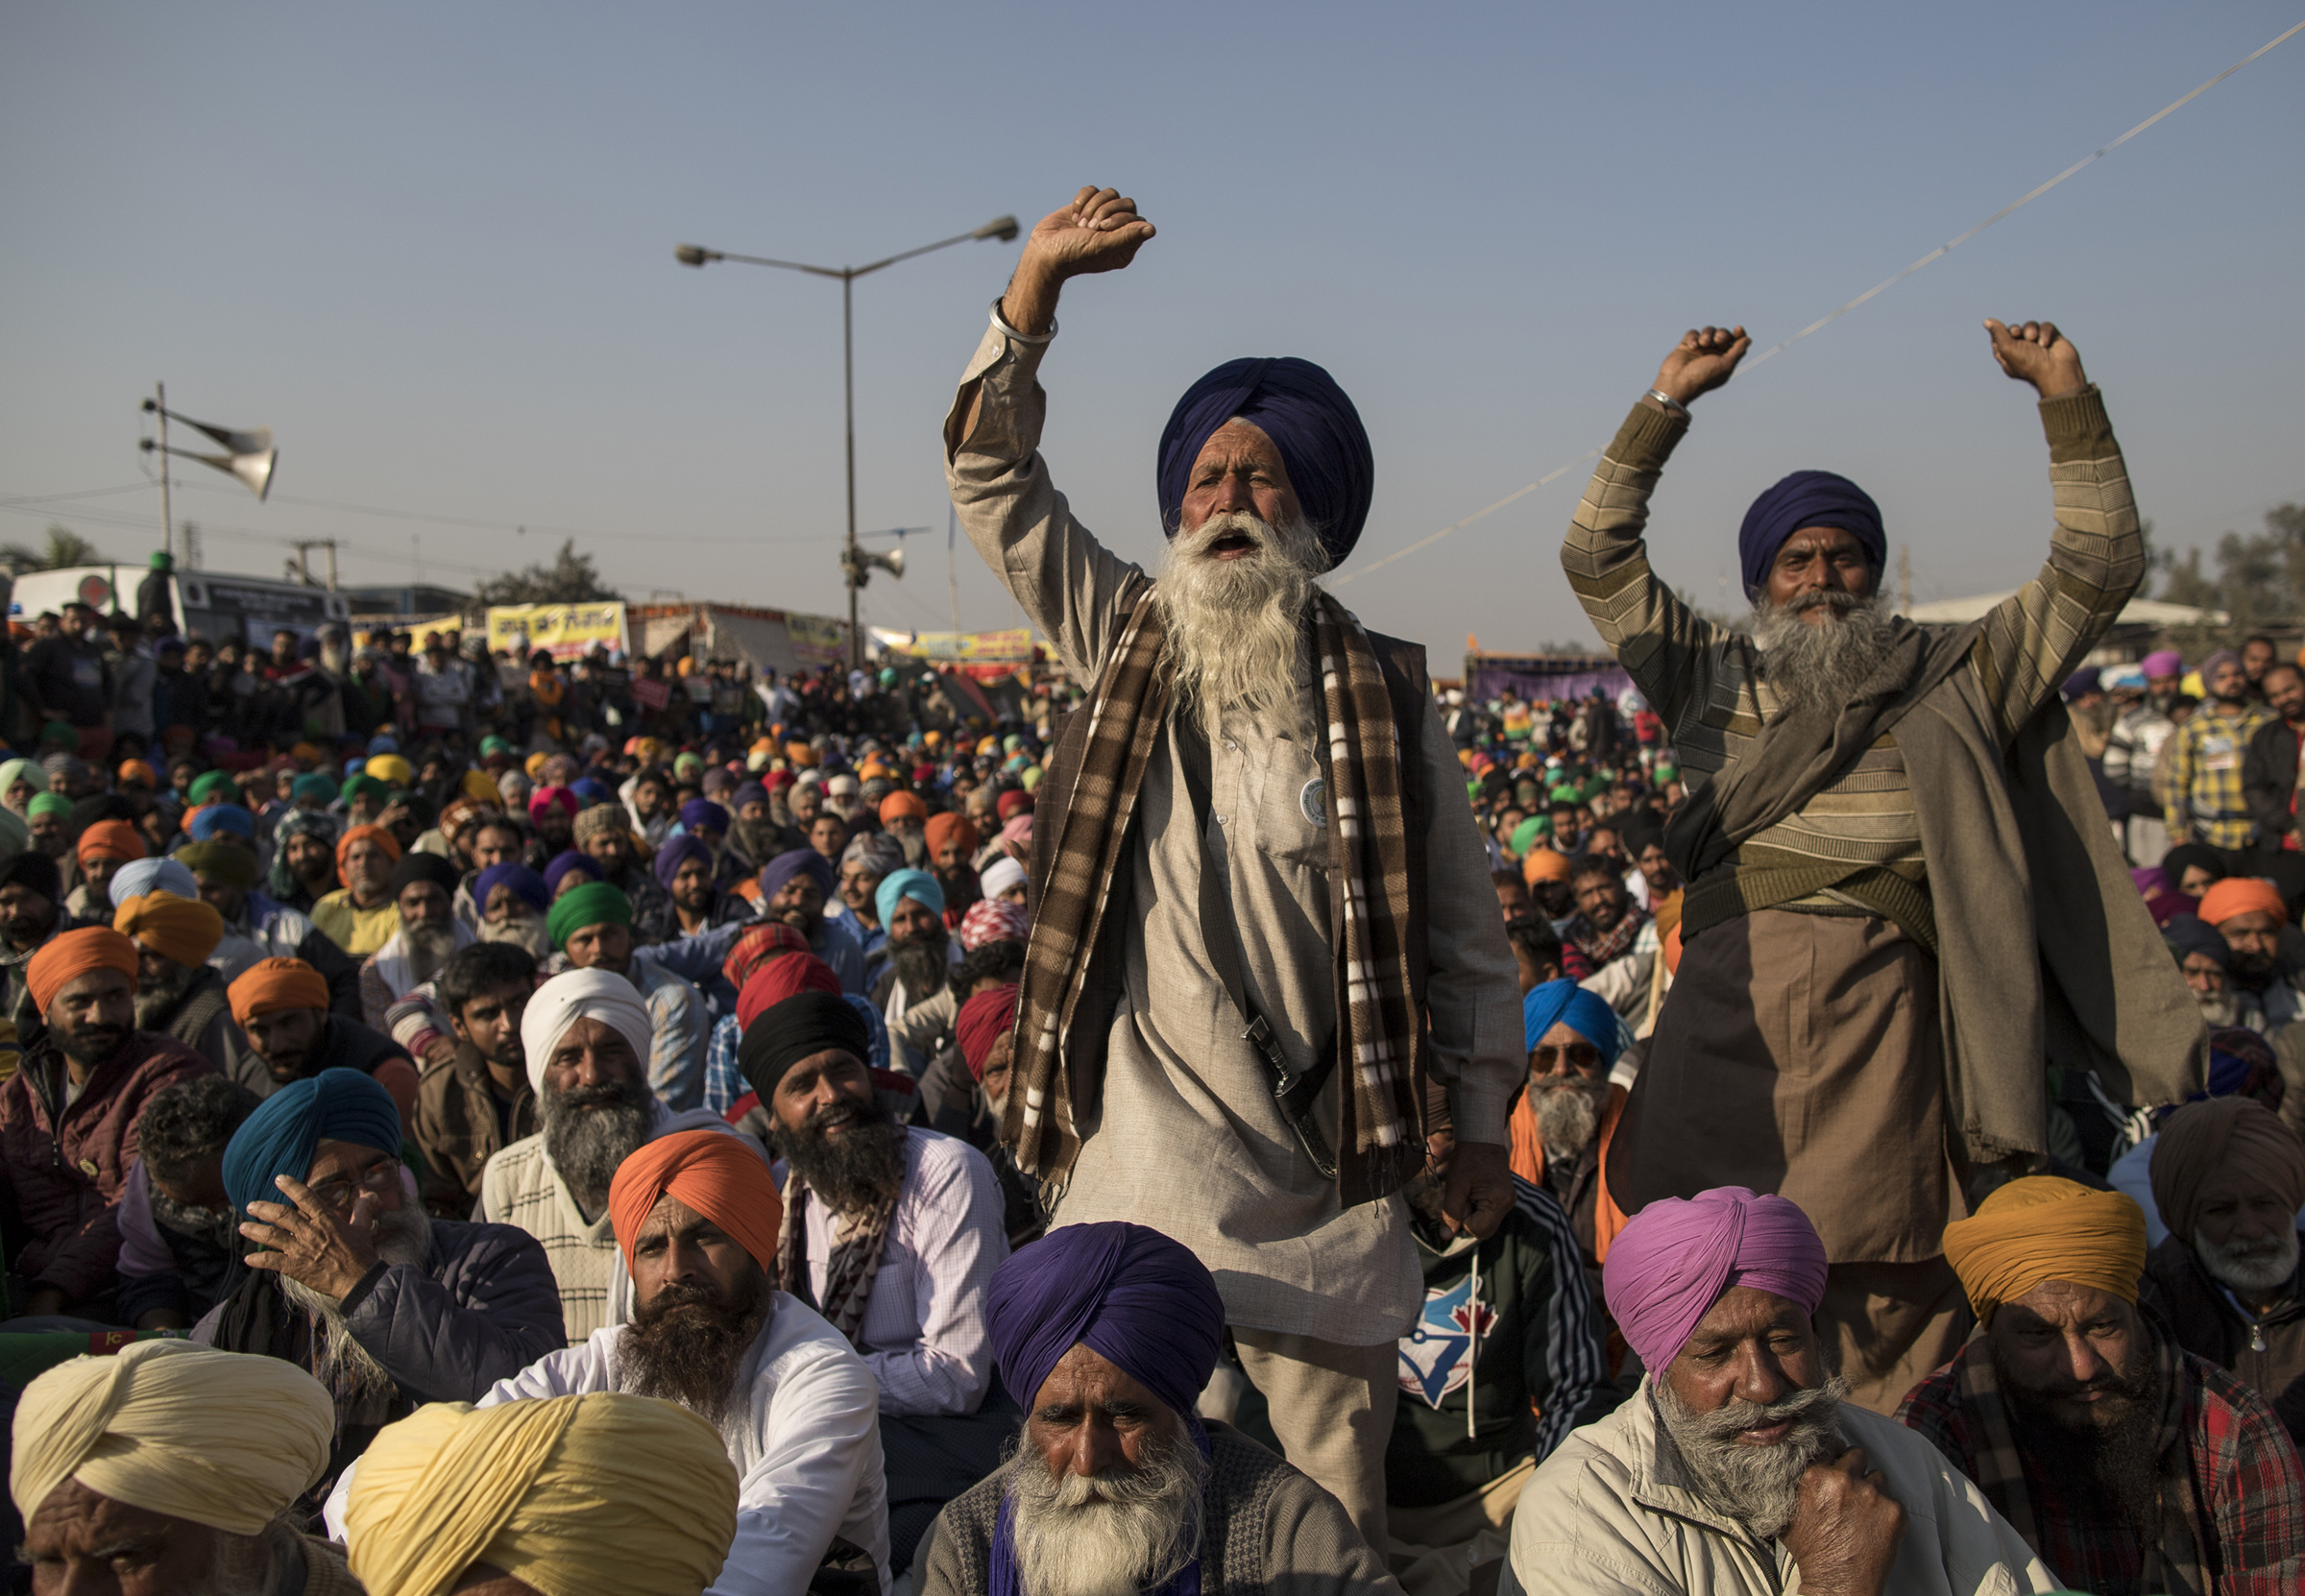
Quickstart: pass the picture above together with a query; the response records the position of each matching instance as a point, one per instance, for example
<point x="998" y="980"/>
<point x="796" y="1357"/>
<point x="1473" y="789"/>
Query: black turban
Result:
<point x="414" y="866"/>
<point x="35" y="872"/>
<point x="801" y="1027"/>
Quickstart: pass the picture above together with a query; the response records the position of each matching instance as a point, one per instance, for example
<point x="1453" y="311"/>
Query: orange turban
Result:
<point x="908" y="803"/>
<point x="942" y="828"/>
<point x="376" y="834"/>
<point x="137" y="770"/>
<point x="73" y="954"/>
<point x="272" y="985"/>
<point x="1543" y="865"/>
<point x="110" y="840"/>
<point x="711" y="1172"/>
<point x="2044" y="1228"/>
<point x="185" y="930"/>
<point x="2242" y="895"/>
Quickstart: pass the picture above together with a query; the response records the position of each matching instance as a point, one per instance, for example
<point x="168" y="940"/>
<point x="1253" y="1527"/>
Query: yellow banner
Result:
<point x="983" y="647"/>
<point x="817" y="640"/>
<point x="563" y="630"/>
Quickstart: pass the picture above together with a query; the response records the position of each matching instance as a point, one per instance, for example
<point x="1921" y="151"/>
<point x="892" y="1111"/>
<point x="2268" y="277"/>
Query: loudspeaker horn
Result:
<point x="893" y="564"/>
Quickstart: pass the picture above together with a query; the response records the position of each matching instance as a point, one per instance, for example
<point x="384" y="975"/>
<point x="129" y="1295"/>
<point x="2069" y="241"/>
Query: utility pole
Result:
<point x="303" y="559"/>
<point x="191" y="546"/>
<point x="1905" y="579"/>
<point x="167" y="521"/>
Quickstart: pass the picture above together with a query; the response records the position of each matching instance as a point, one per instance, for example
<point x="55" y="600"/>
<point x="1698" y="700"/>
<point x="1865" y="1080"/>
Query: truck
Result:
<point x="247" y="609"/>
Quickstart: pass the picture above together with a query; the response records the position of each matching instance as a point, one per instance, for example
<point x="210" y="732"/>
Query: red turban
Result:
<point x="74" y="954"/>
<point x="376" y="834"/>
<point x="273" y="984"/>
<point x="945" y="827"/>
<point x="1014" y="802"/>
<point x="984" y="1019"/>
<point x="2241" y="895"/>
<point x="110" y="840"/>
<point x="715" y="1173"/>
<point x="772" y="982"/>
<point x="759" y="945"/>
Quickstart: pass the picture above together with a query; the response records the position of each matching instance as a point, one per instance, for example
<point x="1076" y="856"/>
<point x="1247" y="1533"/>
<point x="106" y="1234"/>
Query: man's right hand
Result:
<point x="1099" y="231"/>
<point x="1701" y="362"/>
<point x="1846" y="1528"/>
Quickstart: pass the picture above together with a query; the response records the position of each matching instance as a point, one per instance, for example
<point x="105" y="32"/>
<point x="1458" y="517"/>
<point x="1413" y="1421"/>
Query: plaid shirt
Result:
<point x="2245" y="1476"/>
<point x="2200" y="777"/>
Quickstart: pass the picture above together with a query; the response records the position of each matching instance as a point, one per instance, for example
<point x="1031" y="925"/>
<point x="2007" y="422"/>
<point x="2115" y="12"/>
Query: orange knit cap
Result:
<point x="110" y="840"/>
<point x="272" y="985"/>
<point x="2242" y="895"/>
<point x="721" y="1177"/>
<point x="73" y="954"/>
<point x="376" y="834"/>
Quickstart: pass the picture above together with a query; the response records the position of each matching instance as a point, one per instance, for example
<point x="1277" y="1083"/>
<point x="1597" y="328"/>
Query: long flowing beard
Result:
<point x="403" y="1237"/>
<point x="2260" y="1265"/>
<point x="429" y="949"/>
<point x="1568" y="1113"/>
<point x="1757" y="1486"/>
<point x="687" y="1345"/>
<point x="854" y="1171"/>
<point x="920" y="964"/>
<point x="1827" y="661"/>
<point x="1234" y="626"/>
<point x="1113" y="1534"/>
<point x="2110" y="1444"/>
<point x="525" y="930"/>
<point x="156" y="1000"/>
<point x="589" y="1130"/>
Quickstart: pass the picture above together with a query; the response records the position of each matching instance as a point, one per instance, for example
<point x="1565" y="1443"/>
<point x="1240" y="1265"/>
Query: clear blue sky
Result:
<point x="431" y="246"/>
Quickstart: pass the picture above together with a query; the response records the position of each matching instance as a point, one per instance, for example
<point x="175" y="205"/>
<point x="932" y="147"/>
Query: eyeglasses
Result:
<point x="338" y="1191"/>
<point x="1545" y="1060"/>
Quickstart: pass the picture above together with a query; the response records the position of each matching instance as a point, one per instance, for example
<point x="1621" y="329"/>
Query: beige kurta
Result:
<point x="1187" y="1139"/>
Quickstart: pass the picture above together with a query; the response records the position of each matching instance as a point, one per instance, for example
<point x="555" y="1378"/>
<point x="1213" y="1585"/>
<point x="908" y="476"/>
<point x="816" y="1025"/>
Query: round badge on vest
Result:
<point x="1314" y="802"/>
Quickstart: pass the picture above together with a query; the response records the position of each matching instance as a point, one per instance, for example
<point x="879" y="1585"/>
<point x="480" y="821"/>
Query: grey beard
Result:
<point x="1757" y="1486"/>
<point x="2264" y="1266"/>
<point x="156" y="1000"/>
<point x="1137" y="1530"/>
<point x="526" y="931"/>
<point x="429" y="949"/>
<point x="403" y="1237"/>
<point x="1568" y="1115"/>
<point x="2217" y="1009"/>
<point x="589" y="1130"/>
<point x="1233" y="626"/>
<point x="1826" y="663"/>
<point x="921" y="965"/>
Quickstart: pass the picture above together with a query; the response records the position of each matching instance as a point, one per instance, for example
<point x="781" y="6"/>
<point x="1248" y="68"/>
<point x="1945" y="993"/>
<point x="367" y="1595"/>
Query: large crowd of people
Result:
<point x="1238" y="1116"/>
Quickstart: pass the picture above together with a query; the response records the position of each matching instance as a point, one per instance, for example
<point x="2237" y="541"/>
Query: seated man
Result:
<point x="103" y="848"/>
<point x="180" y="1239"/>
<point x="513" y="900"/>
<point x="2248" y="913"/>
<point x="1606" y="930"/>
<point x="1737" y="1464"/>
<point x="794" y="889"/>
<point x="688" y="879"/>
<point x="593" y="923"/>
<point x="2127" y="1464"/>
<point x="68" y="1117"/>
<point x="288" y="1032"/>
<point x="141" y="878"/>
<point x="1108" y="1332"/>
<point x="1568" y="1110"/>
<point x="474" y="1098"/>
<point x="696" y="1221"/>
<point x="584" y="1037"/>
<point x="919" y="955"/>
<point x="601" y="834"/>
<point x="361" y="915"/>
<point x="177" y="995"/>
<point x="179" y="1463"/>
<point x="31" y="912"/>
<point x="504" y="1500"/>
<point x="225" y="868"/>
<point x="2229" y="1177"/>
<point x="896" y="1231"/>
<point x="353" y="1282"/>
<point x="1536" y="950"/>
<point x="423" y="889"/>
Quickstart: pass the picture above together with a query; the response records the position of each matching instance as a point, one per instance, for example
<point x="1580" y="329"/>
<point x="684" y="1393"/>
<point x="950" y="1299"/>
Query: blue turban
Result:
<point x="702" y="814"/>
<point x="1131" y="1294"/>
<point x="1806" y="498"/>
<point x="1564" y="1003"/>
<point x="1309" y="420"/>
<point x="779" y="871"/>
<point x="899" y="884"/>
<point x="313" y="784"/>
<point x="280" y="1138"/>
<point x="383" y="743"/>
<point x="223" y="817"/>
<point x="590" y="791"/>
<point x="673" y="853"/>
<point x="526" y="883"/>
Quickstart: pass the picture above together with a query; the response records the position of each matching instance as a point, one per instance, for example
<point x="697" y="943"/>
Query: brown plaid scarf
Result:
<point x="848" y="1273"/>
<point x="1380" y="1100"/>
<point x="1604" y="947"/>
<point x="2172" y="1561"/>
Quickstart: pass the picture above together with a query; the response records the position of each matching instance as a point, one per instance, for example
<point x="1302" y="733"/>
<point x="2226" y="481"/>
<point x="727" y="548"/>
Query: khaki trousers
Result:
<point x="1886" y="1328"/>
<point x="1332" y="1406"/>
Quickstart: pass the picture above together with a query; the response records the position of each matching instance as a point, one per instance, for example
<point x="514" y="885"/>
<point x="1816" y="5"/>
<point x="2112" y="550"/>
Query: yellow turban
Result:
<point x="223" y="1438"/>
<point x="2043" y="1228"/>
<point x="185" y="930"/>
<point x="570" y="1494"/>
<point x="478" y="787"/>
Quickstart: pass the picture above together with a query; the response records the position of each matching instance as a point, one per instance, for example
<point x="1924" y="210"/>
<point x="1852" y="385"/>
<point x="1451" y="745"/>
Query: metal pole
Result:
<point x="332" y="565"/>
<point x="848" y="400"/>
<point x="168" y="520"/>
<point x="952" y="571"/>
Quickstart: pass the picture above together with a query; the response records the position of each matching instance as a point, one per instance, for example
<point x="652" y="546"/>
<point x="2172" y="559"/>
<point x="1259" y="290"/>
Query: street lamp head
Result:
<point x="1002" y="228"/>
<point x="694" y="255"/>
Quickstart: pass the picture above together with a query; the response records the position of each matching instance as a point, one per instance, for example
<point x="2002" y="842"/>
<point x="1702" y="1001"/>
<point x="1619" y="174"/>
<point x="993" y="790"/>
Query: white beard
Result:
<point x="1134" y="1535"/>
<point x="2261" y="1267"/>
<point x="528" y="930"/>
<point x="1825" y="661"/>
<point x="1233" y="625"/>
<point x="401" y="1237"/>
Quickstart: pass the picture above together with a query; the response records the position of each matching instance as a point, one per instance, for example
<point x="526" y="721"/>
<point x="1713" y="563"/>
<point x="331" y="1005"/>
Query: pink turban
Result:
<point x="1674" y="1259"/>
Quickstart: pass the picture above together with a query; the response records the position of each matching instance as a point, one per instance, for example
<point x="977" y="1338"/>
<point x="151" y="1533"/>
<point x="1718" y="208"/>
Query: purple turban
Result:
<point x="1309" y="420"/>
<point x="676" y="852"/>
<point x="525" y="885"/>
<point x="2162" y="662"/>
<point x="2084" y="681"/>
<point x="800" y="861"/>
<point x="1806" y="498"/>
<point x="1130" y="1294"/>
<point x="1672" y="1262"/>
<point x="566" y="859"/>
<point x="702" y="814"/>
<point x="2215" y="662"/>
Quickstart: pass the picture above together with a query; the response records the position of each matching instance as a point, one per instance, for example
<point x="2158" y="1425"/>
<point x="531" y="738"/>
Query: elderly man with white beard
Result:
<point x="1107" y="1333"/>
<point x="1264" y="920"/>
<point x="423" y="887"/>
<point x="1903" y="896"/>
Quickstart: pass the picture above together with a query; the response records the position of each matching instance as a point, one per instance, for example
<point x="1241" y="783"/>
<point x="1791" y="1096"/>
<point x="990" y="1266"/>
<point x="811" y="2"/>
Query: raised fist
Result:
<point x="1099" y="231"/>
<point x="2036" y="352"/>
<point x="1701" y="362"/>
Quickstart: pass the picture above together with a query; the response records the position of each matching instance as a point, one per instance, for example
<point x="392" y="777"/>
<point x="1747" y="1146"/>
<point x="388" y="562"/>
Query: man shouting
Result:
<point x="1256" y="874"/>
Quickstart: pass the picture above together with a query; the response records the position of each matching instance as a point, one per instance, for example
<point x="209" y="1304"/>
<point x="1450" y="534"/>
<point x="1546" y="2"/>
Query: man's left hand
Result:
<point x="1480" y="1188"/>
<point x="309" y="1243"/>
<point x="2036" y="352"/>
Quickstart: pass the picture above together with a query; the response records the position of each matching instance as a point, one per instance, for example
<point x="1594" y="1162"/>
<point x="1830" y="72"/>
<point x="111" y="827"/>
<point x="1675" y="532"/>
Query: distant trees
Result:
<point x="65" y="547"/>
<point x="570" y="579"/>
<point x="2259" y="578"/>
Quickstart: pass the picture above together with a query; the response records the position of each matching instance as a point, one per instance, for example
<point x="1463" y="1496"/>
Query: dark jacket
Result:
<point x="202" y="1020"/>
<point x="2268" y="780"/>
<point x="2269" y="1354"/>
<point x="344" y="1045"/>
<point x="459" y="1126"/>
<point x="63" y="1167"/>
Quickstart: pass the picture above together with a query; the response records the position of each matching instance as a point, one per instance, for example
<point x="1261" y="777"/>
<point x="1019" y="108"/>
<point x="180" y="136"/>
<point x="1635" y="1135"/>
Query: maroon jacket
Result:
<point x="64" y="1167"/>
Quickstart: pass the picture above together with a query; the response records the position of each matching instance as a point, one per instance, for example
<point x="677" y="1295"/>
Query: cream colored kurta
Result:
<point x="1187" y="1139"/>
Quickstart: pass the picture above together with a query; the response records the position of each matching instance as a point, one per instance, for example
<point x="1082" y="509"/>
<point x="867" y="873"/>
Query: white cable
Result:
<point x="1822" y="322"/>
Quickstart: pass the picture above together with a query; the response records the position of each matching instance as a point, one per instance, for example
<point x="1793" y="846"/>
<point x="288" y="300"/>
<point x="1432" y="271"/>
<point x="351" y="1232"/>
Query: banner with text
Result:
<point x="563" y="630"/>
<point x="1014" y="645"/>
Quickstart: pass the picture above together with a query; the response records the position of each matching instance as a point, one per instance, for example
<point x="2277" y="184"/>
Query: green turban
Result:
<point x="213" y="786"/>
<point x="1564" y="795"/>
<point x="355" y="786"/>
<point x="48" y="802"/>
<point x="593" y="904"/>
<point x="1529" y="830"/>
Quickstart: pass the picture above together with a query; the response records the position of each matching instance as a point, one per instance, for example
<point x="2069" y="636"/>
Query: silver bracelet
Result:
<point x="1021" y="337"/>
<point x="1671" y="404"/>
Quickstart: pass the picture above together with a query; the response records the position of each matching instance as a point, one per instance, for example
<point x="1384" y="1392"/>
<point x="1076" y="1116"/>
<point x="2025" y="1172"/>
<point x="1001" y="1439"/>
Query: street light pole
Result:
<point x="852" y="561"/>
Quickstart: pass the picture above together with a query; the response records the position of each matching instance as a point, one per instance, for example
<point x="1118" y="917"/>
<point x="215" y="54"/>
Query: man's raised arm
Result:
<point x="1065" y="580"/>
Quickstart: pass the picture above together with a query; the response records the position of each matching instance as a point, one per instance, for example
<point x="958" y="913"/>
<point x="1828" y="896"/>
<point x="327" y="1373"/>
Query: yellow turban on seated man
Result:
<point x="221" y="1439"/>
<point x="570" y="1494"/>
<point x="2044" y="1228"/>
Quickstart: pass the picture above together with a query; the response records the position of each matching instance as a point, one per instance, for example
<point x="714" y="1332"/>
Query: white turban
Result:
<point x="1001" y="875"/>
<point x="223" y="1438"/>
<point x="582" y="995"/>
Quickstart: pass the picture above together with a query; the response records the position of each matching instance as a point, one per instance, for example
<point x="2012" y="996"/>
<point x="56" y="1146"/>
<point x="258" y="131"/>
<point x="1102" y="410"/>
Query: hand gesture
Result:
<point x="1701" y="362"/>
<point x="1846" y="1528"/>
<point x="309" y="1243"/>
<point x="1099" y="231"/>
<point x="2035" y="353"/>
<point x="1477" y="1191"/>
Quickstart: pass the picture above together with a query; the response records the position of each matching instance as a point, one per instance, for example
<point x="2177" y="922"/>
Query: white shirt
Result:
<point x="805" y="1445"/>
